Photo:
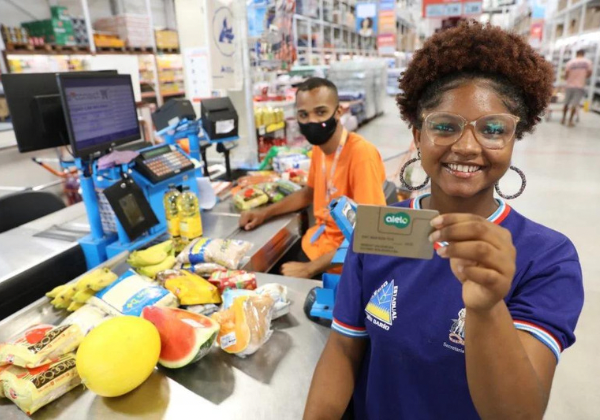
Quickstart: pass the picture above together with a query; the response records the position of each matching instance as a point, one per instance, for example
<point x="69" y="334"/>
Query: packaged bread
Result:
<point x="40" y="344"/>
<point x="225" y="252"/>
<point x="246" y="325"/>
<point x="32" y="388"/>
<point x="189" y="288"/>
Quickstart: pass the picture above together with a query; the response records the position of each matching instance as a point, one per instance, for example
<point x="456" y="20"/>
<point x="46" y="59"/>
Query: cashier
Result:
<point x="477" y="331"/>
<point x="342" y="164"/>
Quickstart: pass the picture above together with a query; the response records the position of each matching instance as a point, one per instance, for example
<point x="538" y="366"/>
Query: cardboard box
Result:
<point x="54" y="31"/>
<point x="166" y="39"/>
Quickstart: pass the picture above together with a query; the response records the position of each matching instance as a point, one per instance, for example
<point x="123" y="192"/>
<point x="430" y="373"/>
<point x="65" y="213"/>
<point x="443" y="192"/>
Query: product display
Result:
<point x="246" y="325"/>
<point x="31" y="389"/>
<point x="40" y="344"/>
<point x="185" y="337"/>
<point x="226" y="252"/>
<point x="118" y="356"/>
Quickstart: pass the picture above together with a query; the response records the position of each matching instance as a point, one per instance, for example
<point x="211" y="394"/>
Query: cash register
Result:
<point x="100" y="114"/>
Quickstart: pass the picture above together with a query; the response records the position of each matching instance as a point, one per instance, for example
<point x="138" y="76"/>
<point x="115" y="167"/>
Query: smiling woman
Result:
<point x="475" y="332"/>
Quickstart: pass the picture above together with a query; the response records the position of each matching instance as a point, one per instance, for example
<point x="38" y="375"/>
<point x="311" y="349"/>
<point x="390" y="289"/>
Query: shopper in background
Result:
<point x="342" y="164"/>
<point x="477" y="331"/>
<point x="578" y="70"/>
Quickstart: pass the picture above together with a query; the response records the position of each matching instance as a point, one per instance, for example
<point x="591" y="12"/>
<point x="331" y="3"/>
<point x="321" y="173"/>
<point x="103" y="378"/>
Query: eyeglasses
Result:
<point x="492" y="131"/>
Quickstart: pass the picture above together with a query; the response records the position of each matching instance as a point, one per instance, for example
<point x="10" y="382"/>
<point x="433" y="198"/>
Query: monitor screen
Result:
<point x="99" y="110"/>
<point x="36" y="110"/>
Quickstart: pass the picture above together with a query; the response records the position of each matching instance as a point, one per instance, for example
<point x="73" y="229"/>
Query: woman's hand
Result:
<point x="482" y="257"/>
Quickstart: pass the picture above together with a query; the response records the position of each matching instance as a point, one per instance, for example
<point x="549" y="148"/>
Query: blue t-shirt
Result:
<point x="413" y="314"/>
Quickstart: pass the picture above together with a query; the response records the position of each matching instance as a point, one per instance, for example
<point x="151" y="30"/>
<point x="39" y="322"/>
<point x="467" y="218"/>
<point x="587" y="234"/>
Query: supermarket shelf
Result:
<point x="169" y="94"/>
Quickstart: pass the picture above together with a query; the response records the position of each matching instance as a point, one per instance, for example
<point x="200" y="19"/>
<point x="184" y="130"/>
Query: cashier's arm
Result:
<point x="334" y="378"/>
<point x="293" y="202"/>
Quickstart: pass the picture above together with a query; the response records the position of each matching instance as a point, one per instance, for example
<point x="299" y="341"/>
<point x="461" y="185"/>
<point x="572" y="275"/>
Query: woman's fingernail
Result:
<point x="437" y="221"/>
<point x="434" y="237"/>
<point x="442" y="251"/>
<point x="460" y="268"/>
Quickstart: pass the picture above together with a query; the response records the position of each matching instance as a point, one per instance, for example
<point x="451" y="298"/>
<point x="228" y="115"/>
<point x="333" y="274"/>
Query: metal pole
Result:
<point x="88" y="26"/>
<point x="159" y="98"/>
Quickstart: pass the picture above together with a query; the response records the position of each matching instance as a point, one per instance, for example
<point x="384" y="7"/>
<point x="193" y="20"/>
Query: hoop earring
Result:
<point x="403" y="179"/>
<point x="523" y="185"/>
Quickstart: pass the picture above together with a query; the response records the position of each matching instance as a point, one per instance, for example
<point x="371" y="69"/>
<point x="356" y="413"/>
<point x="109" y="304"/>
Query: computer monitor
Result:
<point x="36" y="110"/>
<point x="100" y="111"/>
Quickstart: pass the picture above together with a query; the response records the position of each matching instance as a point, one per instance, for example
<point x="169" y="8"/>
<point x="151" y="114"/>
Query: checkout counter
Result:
<point x="273" y="383"/>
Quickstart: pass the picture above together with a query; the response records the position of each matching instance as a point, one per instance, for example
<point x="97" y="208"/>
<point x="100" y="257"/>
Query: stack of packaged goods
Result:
<point x="80" y="31"/>
<point x="17" y="37"/>
<point x="270" y="127"/>
<point x="170" y="73"/>
<point x="133" y="29"/>
<point x="58" y="30"/>
<point x="166" y="39"/>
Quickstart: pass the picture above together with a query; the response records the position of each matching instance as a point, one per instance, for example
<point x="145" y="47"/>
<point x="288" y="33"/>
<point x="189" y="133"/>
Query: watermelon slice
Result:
<point x="185" y="337"/>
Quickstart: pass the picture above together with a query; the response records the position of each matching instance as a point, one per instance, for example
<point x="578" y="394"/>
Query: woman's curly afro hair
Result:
<point x="473" y="51"/>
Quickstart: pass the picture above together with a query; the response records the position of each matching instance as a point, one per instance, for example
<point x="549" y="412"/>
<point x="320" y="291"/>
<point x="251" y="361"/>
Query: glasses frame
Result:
<point x="471" y="123"/>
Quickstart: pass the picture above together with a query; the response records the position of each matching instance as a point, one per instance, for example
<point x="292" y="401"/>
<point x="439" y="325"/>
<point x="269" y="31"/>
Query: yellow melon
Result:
<point x="118" y="356"/>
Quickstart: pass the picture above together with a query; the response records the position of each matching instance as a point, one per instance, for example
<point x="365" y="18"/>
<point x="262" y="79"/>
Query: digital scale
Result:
<point x="162" y="163"/>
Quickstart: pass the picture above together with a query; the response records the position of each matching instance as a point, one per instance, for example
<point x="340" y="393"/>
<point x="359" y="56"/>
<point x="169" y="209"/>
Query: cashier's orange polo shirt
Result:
<point x="359" y="175"/>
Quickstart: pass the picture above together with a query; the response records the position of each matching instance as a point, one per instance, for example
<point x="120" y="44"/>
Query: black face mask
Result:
<point x="319" y="133"/>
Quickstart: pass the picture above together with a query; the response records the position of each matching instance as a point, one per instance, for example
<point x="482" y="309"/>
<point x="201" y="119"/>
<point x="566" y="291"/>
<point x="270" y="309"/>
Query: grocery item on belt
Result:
<point x="206" y="310"/>
<point x="297" y="176"/>
<point x="151" y="261"/>
<point x="189" y="288"/>
<point x="118" y="355"/>
<point x="73" y="295"/>
<point x="130" y="294"/>
<point x="40" y="344"/>
<point x="257" y="178"/>
<point x="275" y="195"/>
<point x="250" y="198"/>
<point x="278" y="293"/>
<point x="87" y="318"/>
<point x="246" y="325"/>
<point x="295" y="161"/>
<point x="185" y="337"/>
<point x="202" y="269"/>
<point x="287" y="187"/>
<point x="2" y="369"/>
<point x="275" y="291"/>
<point x="32" y="388"/>
<point x="226" y="252"/>
<point x="233" y="279"/>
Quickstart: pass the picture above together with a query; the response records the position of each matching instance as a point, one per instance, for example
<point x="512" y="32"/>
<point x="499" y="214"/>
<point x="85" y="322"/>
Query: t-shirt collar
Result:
<point x="497" y="217"/>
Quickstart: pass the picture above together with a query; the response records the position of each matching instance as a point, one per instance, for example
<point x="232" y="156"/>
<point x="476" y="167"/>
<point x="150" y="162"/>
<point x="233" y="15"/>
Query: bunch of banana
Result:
<point x="153" y="260"/>
<point x="72" y="296"/>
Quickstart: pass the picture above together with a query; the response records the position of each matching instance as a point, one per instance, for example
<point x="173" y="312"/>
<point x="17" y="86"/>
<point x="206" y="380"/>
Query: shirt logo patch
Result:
<point x="381" y="309"/>
<point x="457" y="332"/>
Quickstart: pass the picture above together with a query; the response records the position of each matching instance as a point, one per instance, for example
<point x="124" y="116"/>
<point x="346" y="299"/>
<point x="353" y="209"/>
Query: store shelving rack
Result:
<point x="344" y="39"/>
<point x="91" y="49"/>
<point x="569" y="34"/>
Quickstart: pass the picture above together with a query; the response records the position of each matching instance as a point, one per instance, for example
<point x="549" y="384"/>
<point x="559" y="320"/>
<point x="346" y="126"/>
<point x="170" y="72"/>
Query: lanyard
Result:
<point x="329" y="181"/>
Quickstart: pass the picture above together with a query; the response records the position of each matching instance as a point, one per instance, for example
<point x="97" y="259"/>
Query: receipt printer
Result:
<point x="172" y="112"/>
<point x="219" y="118"/>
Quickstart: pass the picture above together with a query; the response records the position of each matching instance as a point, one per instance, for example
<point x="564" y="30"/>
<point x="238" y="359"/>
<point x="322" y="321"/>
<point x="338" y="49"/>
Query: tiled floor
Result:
<point x="563" y="192"/>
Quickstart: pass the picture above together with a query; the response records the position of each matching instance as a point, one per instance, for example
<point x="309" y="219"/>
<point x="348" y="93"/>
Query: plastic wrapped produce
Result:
<point x="246" y="326"/>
